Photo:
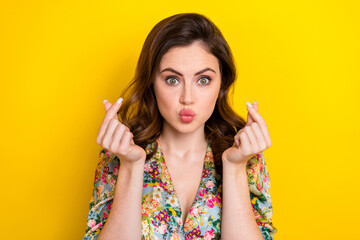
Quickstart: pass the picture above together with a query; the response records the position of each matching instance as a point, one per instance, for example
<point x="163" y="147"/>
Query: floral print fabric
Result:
<point x="161" y="212"/>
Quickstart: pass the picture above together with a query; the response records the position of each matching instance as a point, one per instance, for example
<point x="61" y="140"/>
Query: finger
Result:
<point x="117" y="136"/>
<point x="114" y="108"/>
<point x="108" y="107"/>
<point x="256" y="106"/>
<point x="259" y="136"/>
<point x="245" y="141"/>
<point x="237" y="139"/>
<point x="266" y="135"/>
<point x="107" y="104"/>
<point x="250" y="119"/>
<point x="108" y="136"/>
<point x="259" y="119"/>
<point x="126" y="141"/>
<point x="254" y="114"/>
<point x="252" y="138"/>
<point x="103" y="128"/>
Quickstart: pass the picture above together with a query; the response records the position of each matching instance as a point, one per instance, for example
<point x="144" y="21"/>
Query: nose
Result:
<point x="186" y="97"/>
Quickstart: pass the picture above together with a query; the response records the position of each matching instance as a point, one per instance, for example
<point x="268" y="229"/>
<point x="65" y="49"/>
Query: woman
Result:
<point x="176" y="161"/>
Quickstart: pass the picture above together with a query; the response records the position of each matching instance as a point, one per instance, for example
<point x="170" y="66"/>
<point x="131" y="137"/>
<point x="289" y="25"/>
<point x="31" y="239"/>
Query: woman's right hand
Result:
<point x="117" y="138"/>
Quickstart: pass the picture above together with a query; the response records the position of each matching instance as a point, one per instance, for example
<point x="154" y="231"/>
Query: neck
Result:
<point x="182" y="143"/>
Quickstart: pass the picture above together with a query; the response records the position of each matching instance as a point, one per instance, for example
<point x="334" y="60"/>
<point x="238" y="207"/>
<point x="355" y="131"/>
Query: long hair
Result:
<point x="139" y="111"/>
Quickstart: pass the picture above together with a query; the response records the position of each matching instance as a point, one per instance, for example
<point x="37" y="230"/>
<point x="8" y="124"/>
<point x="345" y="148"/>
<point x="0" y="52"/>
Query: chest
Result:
<point x="169" y="194"/>
<point x="186" y="182"/>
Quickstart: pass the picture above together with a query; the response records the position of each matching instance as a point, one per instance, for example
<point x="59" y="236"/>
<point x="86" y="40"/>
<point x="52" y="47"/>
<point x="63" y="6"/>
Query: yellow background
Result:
<point x="61" y="59"/>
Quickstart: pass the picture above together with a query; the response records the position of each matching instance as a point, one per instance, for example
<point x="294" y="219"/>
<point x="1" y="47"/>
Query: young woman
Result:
<point x="176" y="161"/>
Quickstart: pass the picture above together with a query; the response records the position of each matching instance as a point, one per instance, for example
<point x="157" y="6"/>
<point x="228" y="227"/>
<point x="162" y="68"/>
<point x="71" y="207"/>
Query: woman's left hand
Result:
<point x="250" y="140"/>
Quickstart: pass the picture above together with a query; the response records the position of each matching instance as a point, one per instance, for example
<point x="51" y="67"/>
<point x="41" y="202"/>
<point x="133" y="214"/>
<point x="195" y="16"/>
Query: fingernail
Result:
<point x="248" y="104"/>
<point x="119" y="101"/>
<point x="105" y="101"/>
<point x="255" y="102"/>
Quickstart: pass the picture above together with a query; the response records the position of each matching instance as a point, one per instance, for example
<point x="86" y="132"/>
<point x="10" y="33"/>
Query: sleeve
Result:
<point x="103" y="193"/>
<point x="259" y="186"/>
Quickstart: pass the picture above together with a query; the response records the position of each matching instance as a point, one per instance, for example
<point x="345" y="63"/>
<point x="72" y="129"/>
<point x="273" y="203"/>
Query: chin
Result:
<point x="186" y="127"/>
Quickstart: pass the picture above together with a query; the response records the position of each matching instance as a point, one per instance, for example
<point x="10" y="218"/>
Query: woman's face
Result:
<point x="188" y="78"/>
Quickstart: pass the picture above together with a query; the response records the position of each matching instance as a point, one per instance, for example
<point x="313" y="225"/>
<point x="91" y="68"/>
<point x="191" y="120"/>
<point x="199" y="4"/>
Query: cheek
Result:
<point x="164" y="100"/>
<point x="209" y="101"/>
<point x="209" y="104"/>
<point x="209" y="97"/>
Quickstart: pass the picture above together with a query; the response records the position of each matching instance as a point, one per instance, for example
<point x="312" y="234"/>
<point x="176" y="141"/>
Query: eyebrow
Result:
<point x="200" y="72"/>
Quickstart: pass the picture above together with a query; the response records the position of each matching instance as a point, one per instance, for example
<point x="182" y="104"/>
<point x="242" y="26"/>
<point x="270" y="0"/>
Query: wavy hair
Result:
<point x="139" y="111"/>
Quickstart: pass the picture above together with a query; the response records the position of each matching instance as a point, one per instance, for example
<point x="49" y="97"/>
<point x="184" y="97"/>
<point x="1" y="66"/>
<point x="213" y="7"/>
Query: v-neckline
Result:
<point x="173" y="187"/>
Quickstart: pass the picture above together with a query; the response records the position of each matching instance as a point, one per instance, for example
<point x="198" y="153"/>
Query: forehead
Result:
<point x="193" y="56"/>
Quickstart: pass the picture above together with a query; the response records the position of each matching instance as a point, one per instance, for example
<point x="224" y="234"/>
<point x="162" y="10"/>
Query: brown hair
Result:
<point x="139" y="111"/>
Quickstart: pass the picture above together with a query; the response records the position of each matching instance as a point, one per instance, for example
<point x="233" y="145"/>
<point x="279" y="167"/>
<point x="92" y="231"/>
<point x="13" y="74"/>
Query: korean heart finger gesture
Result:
<point x="250" y="140"/>
<point x="117" y="138"/>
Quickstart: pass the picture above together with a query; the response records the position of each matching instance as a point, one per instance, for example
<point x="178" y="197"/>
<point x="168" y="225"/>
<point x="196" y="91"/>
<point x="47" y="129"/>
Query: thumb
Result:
<point x="250" y="119"/>
<point x="107" y="105"/>
<point x="256" y="106"/>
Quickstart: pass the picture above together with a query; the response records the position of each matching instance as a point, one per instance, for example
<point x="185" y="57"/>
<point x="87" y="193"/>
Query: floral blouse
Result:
<point x="161" y="213"/>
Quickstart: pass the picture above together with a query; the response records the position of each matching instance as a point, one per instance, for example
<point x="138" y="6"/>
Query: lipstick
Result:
<point x="186" y="115"/>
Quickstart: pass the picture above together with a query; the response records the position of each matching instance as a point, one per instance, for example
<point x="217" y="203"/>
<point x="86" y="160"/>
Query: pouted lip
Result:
<point x="186" y="112"/>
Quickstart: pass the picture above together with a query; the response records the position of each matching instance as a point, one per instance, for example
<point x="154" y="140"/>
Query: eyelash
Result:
<point x="170" y="77"/>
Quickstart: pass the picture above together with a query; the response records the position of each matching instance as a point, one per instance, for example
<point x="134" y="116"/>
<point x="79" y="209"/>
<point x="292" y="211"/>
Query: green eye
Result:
<point x="171" y="80"/>
<point x="204" y="80"/>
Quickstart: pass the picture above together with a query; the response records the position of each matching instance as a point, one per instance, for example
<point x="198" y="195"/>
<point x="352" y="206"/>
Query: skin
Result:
<point x="250" y="140"/>
<point x="117" y="138"/>
<point x="184" y="146"/>
<point x="190" y="91"/>
<point x="238" y="220"/>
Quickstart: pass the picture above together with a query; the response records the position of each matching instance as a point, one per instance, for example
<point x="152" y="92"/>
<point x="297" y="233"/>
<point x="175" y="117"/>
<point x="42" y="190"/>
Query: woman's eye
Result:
<point x="204" y="80"/>
<point x="171" y="80"/>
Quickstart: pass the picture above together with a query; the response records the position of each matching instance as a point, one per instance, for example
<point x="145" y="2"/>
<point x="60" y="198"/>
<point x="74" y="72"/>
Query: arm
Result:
<point x="247" y="208"/>
<point x="124" y="221"/>
<point x="118" y="188"/>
